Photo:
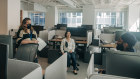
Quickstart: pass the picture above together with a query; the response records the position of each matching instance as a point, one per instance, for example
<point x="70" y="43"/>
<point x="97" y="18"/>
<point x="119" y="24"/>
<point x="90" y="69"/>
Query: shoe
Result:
<point x="77" y="68"/>
<point x="75" y="73"/>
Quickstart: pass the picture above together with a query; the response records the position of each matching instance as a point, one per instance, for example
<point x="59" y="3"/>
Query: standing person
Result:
<point x="26" y="34"/>
<point x="68" y="46"/>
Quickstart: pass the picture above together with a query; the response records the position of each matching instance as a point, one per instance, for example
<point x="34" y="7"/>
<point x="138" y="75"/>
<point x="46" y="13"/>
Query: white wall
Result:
<point x="25" y="14"/>
<point x="13" y="14"/>
<point x="10" y="15"/>
<point x="88" y="15"/>
<point x="51" y="17"/>
<point x="133" y="17"/>
<point x="3" y="16"/>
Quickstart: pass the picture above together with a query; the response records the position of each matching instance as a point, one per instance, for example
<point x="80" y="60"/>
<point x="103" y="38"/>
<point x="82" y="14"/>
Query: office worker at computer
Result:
<point x="126" y="42"/>
<point x="26" y="34"/>
<point x="68" y="46"/>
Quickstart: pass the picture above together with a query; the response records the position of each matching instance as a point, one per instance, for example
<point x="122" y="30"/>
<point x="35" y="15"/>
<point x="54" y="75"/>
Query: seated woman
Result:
<point x="68" y="46"/>
<point x="126" y="42"/>
<point x="26" y="34"/>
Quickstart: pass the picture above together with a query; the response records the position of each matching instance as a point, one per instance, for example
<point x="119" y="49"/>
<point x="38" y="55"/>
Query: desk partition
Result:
<point x="23" y="70"/>
<point x="7" y="39"/>
<point x="90" y="68"/>
<point x="107" y="38"/>
<point x="57" y="70"/>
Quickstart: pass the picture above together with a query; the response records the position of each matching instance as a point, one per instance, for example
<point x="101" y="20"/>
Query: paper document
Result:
<point x="41" y="43"/>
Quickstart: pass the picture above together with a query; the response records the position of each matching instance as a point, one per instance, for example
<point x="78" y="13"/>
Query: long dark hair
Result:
<point x="22" y="26"/>
<point x="66" y="33"/>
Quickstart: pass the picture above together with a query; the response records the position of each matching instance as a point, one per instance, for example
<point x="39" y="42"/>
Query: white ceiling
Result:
<point x="99" y="4"/>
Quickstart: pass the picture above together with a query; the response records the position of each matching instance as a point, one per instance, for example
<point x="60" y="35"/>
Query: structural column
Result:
<point x="9" y="15"/>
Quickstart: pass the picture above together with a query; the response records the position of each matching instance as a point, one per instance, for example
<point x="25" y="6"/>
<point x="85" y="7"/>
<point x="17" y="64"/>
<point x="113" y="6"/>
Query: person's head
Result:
<point x="128" y="40"/>
<point x="67" y="34"/>
<point x="26" y="24"/>
<point x="26" y="21"/>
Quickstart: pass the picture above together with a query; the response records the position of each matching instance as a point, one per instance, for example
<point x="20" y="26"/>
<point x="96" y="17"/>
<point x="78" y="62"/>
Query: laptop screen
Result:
<point x="3" y="61"/>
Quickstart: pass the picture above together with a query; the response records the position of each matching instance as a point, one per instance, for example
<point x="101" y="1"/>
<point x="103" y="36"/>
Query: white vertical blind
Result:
<point x="109" y="19"/>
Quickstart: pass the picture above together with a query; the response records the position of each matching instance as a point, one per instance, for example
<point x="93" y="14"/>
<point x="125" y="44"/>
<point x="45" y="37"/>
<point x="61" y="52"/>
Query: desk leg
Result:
<point x="53" y="44"/>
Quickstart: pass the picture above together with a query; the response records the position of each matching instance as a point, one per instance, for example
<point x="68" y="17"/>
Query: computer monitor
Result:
<point x="38" y="28"/>
<point x="112" y="29"/>
<point x="107" y="38"/>
<point x="7" y="39"/>
<point x="61" y="25"/>
<point x="79" y="32"/>
<point x="3" y="60"/>
<point x="88" y="27"/>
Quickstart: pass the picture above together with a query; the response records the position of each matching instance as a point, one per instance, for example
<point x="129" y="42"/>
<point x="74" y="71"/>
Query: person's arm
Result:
<point x="20" y="40"/>
<point x="62" y="46"/>
<point x="28" y="41"/>
<point x="73" y="46"/>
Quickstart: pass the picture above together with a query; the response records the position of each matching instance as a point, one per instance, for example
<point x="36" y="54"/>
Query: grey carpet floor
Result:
<point x="81" y="73"/>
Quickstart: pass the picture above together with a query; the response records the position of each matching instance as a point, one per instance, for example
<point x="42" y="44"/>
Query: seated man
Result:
<point x="126" y="42"/>
<point x="68" y="46"/>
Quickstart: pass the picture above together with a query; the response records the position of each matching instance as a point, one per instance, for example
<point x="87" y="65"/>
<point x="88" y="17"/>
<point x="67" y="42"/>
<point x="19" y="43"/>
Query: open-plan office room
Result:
<point x="69" y="39"/>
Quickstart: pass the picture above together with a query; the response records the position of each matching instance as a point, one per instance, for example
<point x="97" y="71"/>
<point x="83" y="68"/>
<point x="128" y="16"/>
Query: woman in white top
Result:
<point x="68" y="45"/>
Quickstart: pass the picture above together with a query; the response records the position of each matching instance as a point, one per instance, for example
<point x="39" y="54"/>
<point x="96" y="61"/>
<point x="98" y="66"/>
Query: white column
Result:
<point x="88" y="15"/>
<point x="51" y="17"/>
<point x="9" y="15"/>
<point x="133" y="17"/>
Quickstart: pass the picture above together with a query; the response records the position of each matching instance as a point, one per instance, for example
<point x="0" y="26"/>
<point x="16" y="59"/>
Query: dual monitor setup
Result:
<point x="76" y="31"/>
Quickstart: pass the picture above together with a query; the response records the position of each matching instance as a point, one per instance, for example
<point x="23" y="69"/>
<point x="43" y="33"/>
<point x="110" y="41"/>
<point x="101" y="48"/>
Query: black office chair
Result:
<point x="27" y="52"/>
<point x="53" y="55"/>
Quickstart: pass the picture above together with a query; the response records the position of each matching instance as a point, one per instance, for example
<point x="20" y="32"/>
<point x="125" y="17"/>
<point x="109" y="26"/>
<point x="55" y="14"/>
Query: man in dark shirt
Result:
<point x="126" y="42"/>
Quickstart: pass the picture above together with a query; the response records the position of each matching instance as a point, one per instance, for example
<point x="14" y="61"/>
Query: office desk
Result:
<point x="81" y="42"/>
<point x="59" y="40"/>
<point x="55" y="40"/>
<point x="109" y="46"/>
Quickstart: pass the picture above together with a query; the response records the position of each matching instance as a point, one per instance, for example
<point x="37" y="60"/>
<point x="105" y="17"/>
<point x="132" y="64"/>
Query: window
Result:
<point x="72" y="19"/>
<point x="37" y="18"/>
<point x="109" y="19"/>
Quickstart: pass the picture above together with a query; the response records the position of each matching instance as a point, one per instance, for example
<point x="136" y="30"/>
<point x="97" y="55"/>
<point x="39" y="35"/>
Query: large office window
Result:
<point x="72" y="19"/>
<point x="109" y="19"/>
<point x="37" y="18"/>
